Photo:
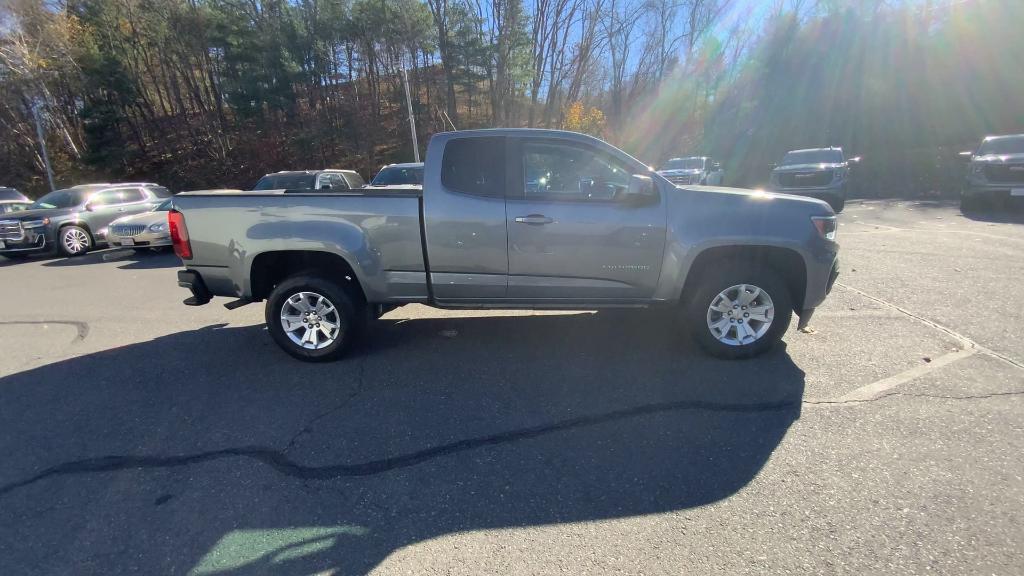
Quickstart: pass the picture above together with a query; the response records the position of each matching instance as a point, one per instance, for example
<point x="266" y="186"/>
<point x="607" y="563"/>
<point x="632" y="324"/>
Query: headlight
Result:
<point x="35" y="223"/>
<point x="158" y="227"/>
<point x="826" y="226"/>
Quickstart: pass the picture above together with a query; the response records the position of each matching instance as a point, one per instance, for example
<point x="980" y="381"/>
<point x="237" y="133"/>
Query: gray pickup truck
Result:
<point x="512" y="218"/>
<point x="816" y="172"/>
<point x="996" y="172"/>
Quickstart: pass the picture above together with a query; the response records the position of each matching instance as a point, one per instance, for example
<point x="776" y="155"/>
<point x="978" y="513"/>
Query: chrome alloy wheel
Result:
<point x="75" y="240"/>
<point x="310" y="320"/>
<point x="740" y="315"/>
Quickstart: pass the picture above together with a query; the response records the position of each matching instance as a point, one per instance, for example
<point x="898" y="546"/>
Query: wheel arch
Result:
<point x="789" y="264"/>
<point x="268" y="269"/>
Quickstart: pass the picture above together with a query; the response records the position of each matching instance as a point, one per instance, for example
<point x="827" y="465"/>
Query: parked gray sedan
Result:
<point x="146" y="230"/>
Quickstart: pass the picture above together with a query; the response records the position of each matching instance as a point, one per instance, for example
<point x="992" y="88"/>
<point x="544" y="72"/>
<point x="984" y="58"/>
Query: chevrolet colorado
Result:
<point x="512" y="218"/>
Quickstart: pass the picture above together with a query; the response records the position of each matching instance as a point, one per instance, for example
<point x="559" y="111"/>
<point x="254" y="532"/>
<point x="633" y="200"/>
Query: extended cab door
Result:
<point x="570" y="233"/>
<point x="464" y="217"/>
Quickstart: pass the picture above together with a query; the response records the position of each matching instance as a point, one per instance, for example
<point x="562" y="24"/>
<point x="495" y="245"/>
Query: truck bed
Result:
<point x="377" y="231"/>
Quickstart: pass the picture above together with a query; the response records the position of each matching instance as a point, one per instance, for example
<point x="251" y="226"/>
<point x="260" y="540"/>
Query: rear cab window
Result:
<point x="475" y="165"/>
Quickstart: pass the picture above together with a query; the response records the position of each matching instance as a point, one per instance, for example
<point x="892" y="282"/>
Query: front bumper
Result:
<point x="993" y="191"/>
<point x="32" y="241"/>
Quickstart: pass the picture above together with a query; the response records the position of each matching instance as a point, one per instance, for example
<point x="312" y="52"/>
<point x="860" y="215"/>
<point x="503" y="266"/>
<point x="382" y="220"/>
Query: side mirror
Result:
<point x="640" y="190"/>
<point x="89" y="206"/>
<point x="325" y="186"/>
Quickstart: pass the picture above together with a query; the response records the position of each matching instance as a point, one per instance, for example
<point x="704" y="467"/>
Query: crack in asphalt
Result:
<point x="277" y="459"/>
<point x="913" y="395"/>
<point x="82" y="328"/>
<point x="307" y="428"/>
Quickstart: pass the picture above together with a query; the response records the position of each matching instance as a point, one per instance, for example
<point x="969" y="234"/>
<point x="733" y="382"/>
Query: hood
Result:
<point x="146" y="218"/>
<point x="1000" y="158"/>
<point x="39" y="214"/>
<point x="681" y="172"/>
<point x="808" y="167"/>
<point x="770" y="201"/>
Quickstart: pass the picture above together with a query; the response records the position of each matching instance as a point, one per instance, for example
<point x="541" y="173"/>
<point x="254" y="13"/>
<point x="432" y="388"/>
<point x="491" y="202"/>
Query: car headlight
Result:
<point x="826" y="226"/>
<point x="158" y="227"/>
<point x="35" y="223"/>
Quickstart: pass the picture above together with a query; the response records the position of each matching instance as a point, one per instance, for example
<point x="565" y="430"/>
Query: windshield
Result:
<point x="286" y="182"/>
<point x="684" y="164"/>
<point x="1007" y="145"/>
<point x="68" y="198"/>
<point x="813" y="157"/>
<point x="11" y="194"/>
<point x="392" y="175"/>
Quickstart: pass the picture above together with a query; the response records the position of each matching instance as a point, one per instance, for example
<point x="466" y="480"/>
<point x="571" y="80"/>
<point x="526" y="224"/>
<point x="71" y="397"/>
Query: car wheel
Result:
<point x="740" y="311"/>
<point x="837" y="204"/>
<point x="312" y="318"/>
<point x="969" y="203"/>
<point x="74" y="241"/>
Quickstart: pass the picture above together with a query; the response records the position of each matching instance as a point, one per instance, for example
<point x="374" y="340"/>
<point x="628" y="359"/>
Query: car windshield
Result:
<point x="392" y="175"/>
<point x="67" y="198"/>
<point x="813" y="157"/>
<point x="11" y="194"/>
<point x="684" y="164"/>
<point x="1006" y="145"/>
<point x="286" y="182"/>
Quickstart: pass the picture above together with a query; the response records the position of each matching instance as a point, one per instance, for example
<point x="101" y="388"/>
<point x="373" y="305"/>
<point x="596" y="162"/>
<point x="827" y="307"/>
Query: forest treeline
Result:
<point x="214" y="93"/>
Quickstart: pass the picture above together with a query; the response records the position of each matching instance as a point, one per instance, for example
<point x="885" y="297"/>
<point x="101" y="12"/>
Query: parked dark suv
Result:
<point x="996" y="171"/>
<point x="822" y="173"/>
<point x="74" y="220"/>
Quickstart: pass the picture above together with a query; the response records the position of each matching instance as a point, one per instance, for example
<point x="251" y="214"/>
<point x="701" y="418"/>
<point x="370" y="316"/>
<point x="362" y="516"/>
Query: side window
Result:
<point x="118" y="196"/>
<point x="160" y="192"/>
<point x="338" y="182"/>
<point x="354" y="180"/>
<point x="566" y="172"/>
<point x="474" y="166"/>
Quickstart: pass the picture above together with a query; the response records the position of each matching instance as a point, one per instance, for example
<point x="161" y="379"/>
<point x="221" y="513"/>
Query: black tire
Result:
<point x="351" y="315"/>
<point x="970" y="203"/>
<point x="714" y="282"/>
<point x="837" y="204"/>
<point x="82" y="233"/>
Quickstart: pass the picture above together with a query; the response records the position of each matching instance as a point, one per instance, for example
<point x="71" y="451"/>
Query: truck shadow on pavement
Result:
<point x="126" y="258"/>
<point x="212" y="452"/>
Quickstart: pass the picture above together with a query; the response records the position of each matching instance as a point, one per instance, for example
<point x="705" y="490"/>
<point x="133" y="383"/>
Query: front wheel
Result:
<point x="837" y="204"/>
<point x="74" y="241"/>
<point x="739" y="311"/>
<point x="312" y="318"/>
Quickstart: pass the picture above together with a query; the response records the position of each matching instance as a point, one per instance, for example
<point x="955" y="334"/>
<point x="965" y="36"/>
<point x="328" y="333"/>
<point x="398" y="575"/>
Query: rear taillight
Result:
<point x="179" y="234"/>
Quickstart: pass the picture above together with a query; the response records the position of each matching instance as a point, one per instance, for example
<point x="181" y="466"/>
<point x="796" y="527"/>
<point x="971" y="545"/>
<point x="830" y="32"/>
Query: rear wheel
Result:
<point x="312" y="318"/>
<point x="739" y="311"/>
<point x="970" y="203"/>
<point x="74" y="241"/>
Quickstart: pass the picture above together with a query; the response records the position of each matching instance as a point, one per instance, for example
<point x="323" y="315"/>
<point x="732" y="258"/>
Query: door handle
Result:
<point x="535" y="219"/>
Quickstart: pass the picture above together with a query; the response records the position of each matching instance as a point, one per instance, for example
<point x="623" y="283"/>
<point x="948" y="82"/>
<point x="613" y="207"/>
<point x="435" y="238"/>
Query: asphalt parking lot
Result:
<point x="143" y="436"/>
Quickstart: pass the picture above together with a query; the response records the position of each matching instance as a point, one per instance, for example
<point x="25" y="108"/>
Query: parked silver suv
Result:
<point x="74" y="220"/>
<point x="822" y="173"/>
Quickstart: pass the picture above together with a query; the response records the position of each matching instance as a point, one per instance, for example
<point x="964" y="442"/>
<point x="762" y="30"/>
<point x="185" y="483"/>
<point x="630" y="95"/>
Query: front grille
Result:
<point x="1005" y="173"/>
<point x="805" y="179"/>
<point x="11" y="230"/>
<point x="127" y="229"/>
<point x="681" y="179"/>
